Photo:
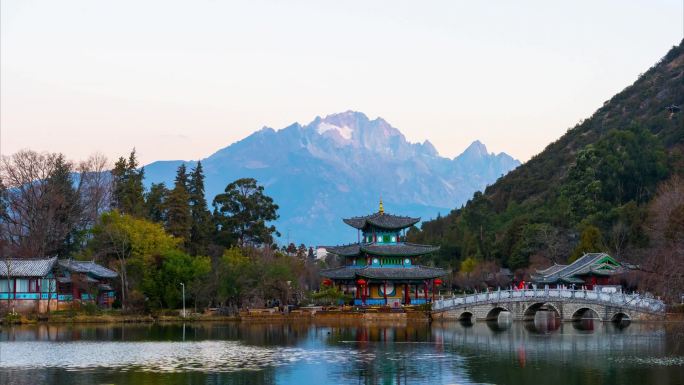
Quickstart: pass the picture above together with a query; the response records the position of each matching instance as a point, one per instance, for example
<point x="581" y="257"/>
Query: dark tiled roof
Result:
<point x="551" y="269"/>
<point x="345" y="250"/>
<point x="414" y="272"/>
<point x="382" y="220"/>
<point x="344" y="272"/>
<point x="386" y="249"/>
<point x="403" y="249"/>
<point x="88" y="267"/>
<point x="27" y="267"/>
<point x="588" y="263"/>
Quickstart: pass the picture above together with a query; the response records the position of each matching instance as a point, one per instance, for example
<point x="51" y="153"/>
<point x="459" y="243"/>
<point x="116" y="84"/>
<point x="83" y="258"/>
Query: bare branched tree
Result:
<point x="96" y="189"/>
<point x="664" y="262"/>
<point x="47" y="203"/>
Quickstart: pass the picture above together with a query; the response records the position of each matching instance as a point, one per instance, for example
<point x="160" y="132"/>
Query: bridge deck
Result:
<point x="635" y="302"/>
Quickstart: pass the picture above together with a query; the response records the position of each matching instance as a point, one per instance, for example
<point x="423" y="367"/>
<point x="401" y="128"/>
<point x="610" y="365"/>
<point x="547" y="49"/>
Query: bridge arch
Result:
<point x="531" y="310"/>
<point x="493" y="314"/>
<point x="620" y="317"/>
<point x="466" y="316"/>
<point x="466" y="319"/>
<point x="585" y="313"/>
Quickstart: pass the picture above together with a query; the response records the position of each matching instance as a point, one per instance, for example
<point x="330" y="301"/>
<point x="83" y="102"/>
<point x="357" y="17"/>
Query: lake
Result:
<point x="540" y="352"/>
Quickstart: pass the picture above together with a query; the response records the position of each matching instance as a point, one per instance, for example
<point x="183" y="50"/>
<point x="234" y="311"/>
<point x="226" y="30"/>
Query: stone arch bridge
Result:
<point x="569" y="305"/>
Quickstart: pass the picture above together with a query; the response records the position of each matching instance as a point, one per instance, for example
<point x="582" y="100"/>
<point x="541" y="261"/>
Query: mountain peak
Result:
<point x="476" y="148"/>
<point x="312" y="171"/>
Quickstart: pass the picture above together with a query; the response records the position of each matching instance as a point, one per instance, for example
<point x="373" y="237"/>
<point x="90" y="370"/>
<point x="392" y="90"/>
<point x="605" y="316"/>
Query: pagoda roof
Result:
<point x="381" y="220"/>
<point x="392" y="249"/>
<point x="414" y="272"/>
<point x="344" y="272"/>
<point x="345" y="250"/>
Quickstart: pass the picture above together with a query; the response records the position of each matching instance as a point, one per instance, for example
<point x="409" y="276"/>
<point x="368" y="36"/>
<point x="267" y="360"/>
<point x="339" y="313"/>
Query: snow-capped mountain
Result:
<point x="339" y="166"/>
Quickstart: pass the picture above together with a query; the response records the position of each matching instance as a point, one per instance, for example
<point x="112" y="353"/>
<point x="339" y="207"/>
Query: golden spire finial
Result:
<point x="382" y="209"/>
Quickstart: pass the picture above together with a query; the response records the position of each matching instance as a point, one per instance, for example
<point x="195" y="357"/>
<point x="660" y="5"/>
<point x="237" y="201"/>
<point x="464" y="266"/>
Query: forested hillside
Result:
<point x="595" y="188"/>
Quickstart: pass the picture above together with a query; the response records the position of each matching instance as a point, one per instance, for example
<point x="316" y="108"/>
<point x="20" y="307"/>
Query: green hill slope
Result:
<point x="598" y="178"/>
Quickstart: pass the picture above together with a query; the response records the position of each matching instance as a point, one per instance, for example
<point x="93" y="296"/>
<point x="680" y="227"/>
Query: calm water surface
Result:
<point x="356" y="353"/>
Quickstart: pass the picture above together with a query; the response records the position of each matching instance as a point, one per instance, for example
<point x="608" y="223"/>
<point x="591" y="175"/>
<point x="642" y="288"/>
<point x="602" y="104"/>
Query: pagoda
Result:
<point x="382" y="268"/>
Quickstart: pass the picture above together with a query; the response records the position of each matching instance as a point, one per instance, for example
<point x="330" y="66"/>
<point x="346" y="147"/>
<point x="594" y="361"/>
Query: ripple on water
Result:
<point x="215" y="356"/>
<point x="650" y="361"/>
<point x="202" y="356"/>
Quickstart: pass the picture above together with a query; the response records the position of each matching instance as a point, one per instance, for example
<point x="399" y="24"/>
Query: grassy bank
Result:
<point x="58" y="317"/>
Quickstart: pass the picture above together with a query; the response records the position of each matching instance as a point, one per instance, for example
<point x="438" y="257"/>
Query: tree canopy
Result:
<point x="242" y="212"/>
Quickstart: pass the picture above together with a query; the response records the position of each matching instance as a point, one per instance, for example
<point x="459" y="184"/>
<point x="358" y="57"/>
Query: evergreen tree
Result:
<point x="301" y="251"/>
<point x="155" y="201"/>
<point x="128" y="186"/>
<point x="590" y="242"/>
<point x="63" y="202"/>
<point x="241" y="214"/>
<point x="178" y="215"/>
<point x="202" y="225"/>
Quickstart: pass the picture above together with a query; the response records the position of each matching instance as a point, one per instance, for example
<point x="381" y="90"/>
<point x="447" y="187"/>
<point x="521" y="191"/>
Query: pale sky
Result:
<point x="179" y="80"/>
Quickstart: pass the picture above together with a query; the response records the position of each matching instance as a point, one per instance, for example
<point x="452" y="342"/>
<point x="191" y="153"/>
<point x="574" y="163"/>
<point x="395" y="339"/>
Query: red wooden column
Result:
<point x="384" y="290"/>
<point x="433" y="290"/>
<point x="363" y="295"/>
<point x="74" y="291"/>
<point x="407" y="299"/>
<point x="426" y="291"/>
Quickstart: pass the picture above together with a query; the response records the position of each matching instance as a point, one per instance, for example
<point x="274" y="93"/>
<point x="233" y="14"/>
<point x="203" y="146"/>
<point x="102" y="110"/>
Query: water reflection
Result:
<point x="498" y="325"/>
<point x="543" y="350"/>
<point x="585" y="325"/>
<point x="544" y="322"/>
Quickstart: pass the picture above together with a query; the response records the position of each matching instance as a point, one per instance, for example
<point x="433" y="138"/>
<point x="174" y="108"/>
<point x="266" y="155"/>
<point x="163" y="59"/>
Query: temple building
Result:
<point x="593" y="269"/>
<point x="382" y="268"/>
<point x="39" y="285"/>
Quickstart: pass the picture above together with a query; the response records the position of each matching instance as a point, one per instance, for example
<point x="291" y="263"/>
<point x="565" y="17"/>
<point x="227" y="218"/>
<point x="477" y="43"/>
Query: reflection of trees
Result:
<point x="282" y="334"/>
<point x="370" y="353"/>
<point x="564" y="356"/>
<point x="395" y="354"/>
<point x="63" y="376"/>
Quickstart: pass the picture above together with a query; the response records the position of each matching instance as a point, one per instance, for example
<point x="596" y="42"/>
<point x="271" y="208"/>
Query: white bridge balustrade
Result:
<point x="607" y="305"/>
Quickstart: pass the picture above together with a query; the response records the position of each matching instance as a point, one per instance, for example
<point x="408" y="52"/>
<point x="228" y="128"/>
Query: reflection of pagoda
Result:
<point x="381" y="268"/>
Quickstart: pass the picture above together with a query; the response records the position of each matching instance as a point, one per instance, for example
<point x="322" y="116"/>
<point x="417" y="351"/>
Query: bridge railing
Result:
<point x="634" y="301"/>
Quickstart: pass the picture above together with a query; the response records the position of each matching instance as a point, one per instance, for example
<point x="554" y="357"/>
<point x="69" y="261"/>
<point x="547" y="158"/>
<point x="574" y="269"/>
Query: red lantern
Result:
<point x="438" y="281"/>
<point x="361" y="282"/>
<point x="327" y="282"/>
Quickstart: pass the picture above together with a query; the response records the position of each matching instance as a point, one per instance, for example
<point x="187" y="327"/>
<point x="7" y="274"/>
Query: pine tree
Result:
<point x="202" y="225"/>
<point x="591" y="241"/>
<point x="62" y="202"/>
<point x="154" y="202"/>
<point x="178" y="215"/>
<point x="128" y="187"/>
<point x="242" y="213"/>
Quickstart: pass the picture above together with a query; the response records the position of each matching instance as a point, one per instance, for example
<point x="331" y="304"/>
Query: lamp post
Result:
<point x="183" y="286"/>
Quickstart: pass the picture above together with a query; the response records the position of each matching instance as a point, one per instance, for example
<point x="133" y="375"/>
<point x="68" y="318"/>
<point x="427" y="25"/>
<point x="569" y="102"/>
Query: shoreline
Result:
<point x="323" y="316"/>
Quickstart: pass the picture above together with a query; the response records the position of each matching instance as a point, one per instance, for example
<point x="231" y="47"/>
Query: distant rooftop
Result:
<point x="591" y="263"/>
<point x="29" y="267"/>
<point x="88" y="267"/>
